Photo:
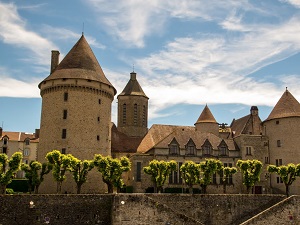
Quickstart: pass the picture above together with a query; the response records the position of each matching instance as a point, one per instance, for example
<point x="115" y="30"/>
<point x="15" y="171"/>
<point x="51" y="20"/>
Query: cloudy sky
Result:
<point x="187" y="53"/>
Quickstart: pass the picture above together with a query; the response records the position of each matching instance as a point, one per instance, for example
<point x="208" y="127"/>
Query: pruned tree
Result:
<point x="34" y="177"/>
<point x="79" y="170"/>
<point x="190" y="173"/>
<point x="208" y="168"/>
<point x="288" y="173"/>
<point x="251" y="170"/>
<point x="112" y="170"/>
<point x="8" y="169"/>
<point x="227" y="172"/>
<point x="61" y="163"/>
<point x="159" y="172"/>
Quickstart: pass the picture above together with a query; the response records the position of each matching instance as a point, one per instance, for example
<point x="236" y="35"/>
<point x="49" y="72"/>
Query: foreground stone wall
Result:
<point x="137" y="209"/>
<point x="57" y="209"/>
<point x="285" y="212"/>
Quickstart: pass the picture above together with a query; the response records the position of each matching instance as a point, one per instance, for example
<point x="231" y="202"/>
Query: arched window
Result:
<point x="135" y="114"/>
<point x="124" y="114"/>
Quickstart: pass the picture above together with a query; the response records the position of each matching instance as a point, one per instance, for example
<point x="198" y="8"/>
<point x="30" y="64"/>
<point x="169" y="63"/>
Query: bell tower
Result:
<point x="133" y="109"/>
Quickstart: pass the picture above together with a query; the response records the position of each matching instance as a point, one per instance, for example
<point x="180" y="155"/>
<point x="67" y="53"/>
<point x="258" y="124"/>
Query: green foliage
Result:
<point x="60" y="164"/>
<point x="9" y="191"/>
<point x="35" y="178"/>
<point x="159" y="172"/>
<point x="226" y="173"/>
<point x="79" y="170"/>
<point x="208" y="168"/>
<point x="112" y="170"/>
<point x="288" y="173"/>
<point x="19" y="185"/>
<point x="8" y="168"/>
<point x="251" y="170"/>
<point x="190" y="173"/>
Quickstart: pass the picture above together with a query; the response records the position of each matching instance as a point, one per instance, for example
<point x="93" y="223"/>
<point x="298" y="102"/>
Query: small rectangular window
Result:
<point x="278" y="143"/>
<point x="5" y="141"/>
<point x="63" y="151"/>
<point x="4" y="150"/>
<point x="279" y="180"/>
<point x="98" y="118"/>
<point x="138" y="171"/>
<point x="277" y="121"/>
<point x="99" y="101"/>
<point x="248" y="151"/>
<point x="267" y="160"/>
<point x="65" y="114"/>
<point x="66" y="96"/>
<point x="278" y="162"/>
<point x="64" y="134"/>
<point x="98" y="137"/>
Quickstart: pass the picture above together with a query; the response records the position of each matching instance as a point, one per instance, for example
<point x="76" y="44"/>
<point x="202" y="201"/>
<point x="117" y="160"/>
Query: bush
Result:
<point x="9" y="191"/>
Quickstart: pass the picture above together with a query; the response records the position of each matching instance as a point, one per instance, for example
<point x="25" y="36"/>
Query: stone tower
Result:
<point x="76" y="111"/>
<point x="282" y="129"/>
<point x="133" y="109"/>
<point x="207" y="123"/>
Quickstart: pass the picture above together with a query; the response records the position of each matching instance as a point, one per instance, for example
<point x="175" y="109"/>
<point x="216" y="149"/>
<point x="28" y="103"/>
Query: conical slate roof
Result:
<point x="80" y="63"/>
<point x="287" y="106"/>
<point x="206" y="116"/>
<point x="133" y="87"/>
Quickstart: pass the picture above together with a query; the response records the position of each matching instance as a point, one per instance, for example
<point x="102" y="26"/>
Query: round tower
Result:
<point x="207" y="123"/>
<point x="133" y="109"/>
<point x="76" y="111"/>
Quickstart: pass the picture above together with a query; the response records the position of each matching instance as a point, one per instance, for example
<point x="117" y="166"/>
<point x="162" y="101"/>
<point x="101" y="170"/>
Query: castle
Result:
<point x="76" y="119"/>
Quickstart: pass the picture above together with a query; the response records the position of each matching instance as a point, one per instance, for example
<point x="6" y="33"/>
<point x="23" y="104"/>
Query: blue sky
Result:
<point x="186" y="53"/>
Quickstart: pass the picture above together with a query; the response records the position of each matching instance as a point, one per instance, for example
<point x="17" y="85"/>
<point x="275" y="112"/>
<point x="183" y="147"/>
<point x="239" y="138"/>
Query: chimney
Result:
<point x="254" y="111"/>
<point x="37" y="133"/>
<point x="132" y="76"/>
<point x="0" y="132"/>
<point x="54" y="60"/>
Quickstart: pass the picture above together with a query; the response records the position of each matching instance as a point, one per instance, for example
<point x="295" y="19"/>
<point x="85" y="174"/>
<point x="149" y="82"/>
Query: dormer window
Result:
<point x="223" y="148"/>
<point x="207" y="148"/>
<point x="174" y="147"/>
<point x="5" y="141"/>
<point x="27" y="141"/>
<point x="190" y="148"/>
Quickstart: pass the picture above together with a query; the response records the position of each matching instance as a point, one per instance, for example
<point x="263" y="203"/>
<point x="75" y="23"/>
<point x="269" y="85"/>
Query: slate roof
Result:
<point x="287" y="106"/>
<point x="206" y="116"/>
<point x="133" y="87"/>
<point x="160" y="136"/>
<point x="120" y="142"/>
<point x="80" y="63"/>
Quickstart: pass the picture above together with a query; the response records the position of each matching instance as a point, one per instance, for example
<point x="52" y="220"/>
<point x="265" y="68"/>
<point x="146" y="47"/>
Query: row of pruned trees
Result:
<point x="201" y="173"/>
<point x="110" y="168"/>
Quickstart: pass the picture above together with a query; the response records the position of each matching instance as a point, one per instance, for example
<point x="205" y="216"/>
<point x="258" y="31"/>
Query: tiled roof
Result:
<point x="80" y="63"/>
<point x="19" y="136"/>
<point x="206" y="116"/>
<point x="238" y="126"/>
<point x="160" y="136"/>
<point x="133" y="87"/>
<point x="287" y="106"/>
<point x="120" y="142"/>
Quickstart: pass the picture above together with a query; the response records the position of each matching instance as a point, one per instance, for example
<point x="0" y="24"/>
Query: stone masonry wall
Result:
<point x="137" y="209"/>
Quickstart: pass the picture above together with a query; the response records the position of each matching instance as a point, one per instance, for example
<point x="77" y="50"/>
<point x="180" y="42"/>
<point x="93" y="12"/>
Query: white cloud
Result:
<point x="11" y="87"/>
<point x="295" y="3"/>
<point x="14" y="32"/>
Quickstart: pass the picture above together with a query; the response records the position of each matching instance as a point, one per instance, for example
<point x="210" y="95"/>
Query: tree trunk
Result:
<point x="2" y="189"/>
<point x="59" y="184"/>
<point x="110" y="188"/>
<point x="287" y="190"/>
<point x="191" y="189"/>
<point x="78" y="188"/>
<point x="36" y="189"/>
<point x="204" y="189"/>
<point x="248" y="189"/>
<point x="224" y="188"/>
<point x="155" y="188"/>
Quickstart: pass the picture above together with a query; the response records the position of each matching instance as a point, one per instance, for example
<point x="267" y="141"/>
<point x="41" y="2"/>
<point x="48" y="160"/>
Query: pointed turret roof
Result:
<point x="80" y="63"/>
<point x="206" y="116"/>
<point x="287" y="106"/>
<point x="133" y="87"/>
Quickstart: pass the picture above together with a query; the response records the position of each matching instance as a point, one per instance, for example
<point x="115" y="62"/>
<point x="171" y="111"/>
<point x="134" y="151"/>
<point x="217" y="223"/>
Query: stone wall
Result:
<point x="57" y="209"/>
<point x="137" y="209"/>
